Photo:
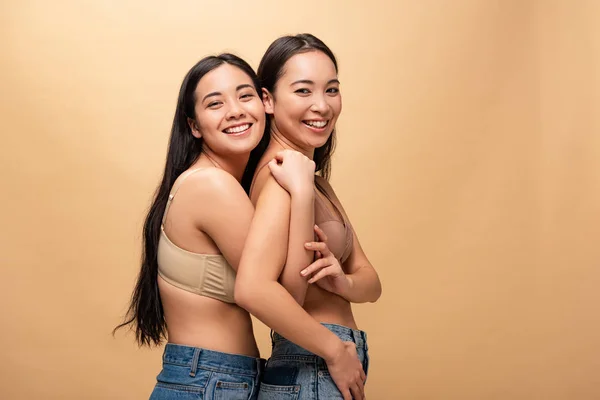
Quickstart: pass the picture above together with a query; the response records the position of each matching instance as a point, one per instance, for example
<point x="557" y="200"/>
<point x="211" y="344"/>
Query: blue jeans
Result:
<point x="193" y="373"/>
<point x="293" y="373"/>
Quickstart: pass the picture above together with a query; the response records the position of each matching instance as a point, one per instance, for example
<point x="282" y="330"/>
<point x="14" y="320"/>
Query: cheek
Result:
<point x="256" y="109"/>
<point x="210" y="122"/>
<point x="293" y="109"/>
<point x="336" y="106"/>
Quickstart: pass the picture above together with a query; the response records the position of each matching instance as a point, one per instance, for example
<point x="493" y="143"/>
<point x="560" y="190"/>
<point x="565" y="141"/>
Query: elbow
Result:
<point x="376" y="293"/>
<point x="242" y="295"/>
<point x="376" y="296"/>
<point x="248" y="293"/>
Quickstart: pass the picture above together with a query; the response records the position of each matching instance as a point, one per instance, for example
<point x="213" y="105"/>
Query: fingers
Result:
<point x="357" y="392"/>
<point x="346" y="394"/>
<point x="319" y="246"/>
<point x="274" y="167"/>
<point x="315" y="266"/>
<point x="280" y="155"/>
<point x="322" y="273"/>
<point x="363" y="376"/>
<point x="320" y="234"/>
<point x="361" y="385"/>
<point x="289" y="154"/>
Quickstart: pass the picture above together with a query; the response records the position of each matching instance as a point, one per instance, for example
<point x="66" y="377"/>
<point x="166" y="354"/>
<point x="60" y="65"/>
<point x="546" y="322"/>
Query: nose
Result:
<point x="236" y="111"/>
<point x="319" y="104"/>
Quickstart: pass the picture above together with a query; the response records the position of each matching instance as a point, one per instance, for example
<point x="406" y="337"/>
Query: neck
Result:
<point x="288" y="144"/>
<point x="234" y="165"/>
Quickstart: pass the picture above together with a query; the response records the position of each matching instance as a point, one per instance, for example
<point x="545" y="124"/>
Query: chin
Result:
<point x="244" y="149"/>
<point x="317" y="139"/>
<point x="246" y="144"/>
<point x="320" y="142"/>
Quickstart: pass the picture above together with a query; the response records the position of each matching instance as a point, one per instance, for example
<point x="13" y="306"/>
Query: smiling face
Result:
<point x="306" y="102"/>
<point x="230" y="116"/>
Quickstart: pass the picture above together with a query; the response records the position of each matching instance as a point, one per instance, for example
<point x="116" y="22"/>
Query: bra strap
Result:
<point x="175" y="188"/>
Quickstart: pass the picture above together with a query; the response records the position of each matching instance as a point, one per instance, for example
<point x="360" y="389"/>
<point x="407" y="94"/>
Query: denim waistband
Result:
<point x="195" y="357"/>
<point x="283" y="346"/>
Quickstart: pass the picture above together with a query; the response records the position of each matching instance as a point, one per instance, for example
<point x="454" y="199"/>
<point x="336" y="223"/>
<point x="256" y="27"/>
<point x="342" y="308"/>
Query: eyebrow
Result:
<point x="309" y="82"/>
<point x="240" y="87"/>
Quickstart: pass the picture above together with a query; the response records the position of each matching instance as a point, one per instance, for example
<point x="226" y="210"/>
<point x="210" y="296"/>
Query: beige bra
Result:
<point x="208" y="275"/>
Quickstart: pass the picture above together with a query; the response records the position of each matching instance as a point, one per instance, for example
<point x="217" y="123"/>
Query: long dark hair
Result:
<point x="145" y="312"/>
<point x="270" y="70"/>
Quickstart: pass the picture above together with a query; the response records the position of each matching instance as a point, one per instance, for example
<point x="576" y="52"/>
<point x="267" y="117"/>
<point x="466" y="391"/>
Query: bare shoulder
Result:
<point x="258" y="183"/>
<point x="213" y="184"/>
<point x="213" y="198"/>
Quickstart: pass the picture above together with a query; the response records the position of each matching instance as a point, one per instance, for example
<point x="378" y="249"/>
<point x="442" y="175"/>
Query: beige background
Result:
<point x="469" y="162"/>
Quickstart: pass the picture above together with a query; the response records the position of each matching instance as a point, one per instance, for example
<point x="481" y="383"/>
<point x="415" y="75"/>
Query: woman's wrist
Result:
<point x="333" y="347"/>
<point x="305" y="193"/>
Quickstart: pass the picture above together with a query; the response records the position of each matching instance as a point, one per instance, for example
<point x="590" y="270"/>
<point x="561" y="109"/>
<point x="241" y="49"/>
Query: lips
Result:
<point x="318" y="124"/>
<point x="237" y="129"/>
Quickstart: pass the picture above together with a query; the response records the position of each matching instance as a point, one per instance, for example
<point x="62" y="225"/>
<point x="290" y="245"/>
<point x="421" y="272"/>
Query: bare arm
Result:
<point x="257" y="288"/>
<point x="364" y="281"/>
<point x="259" y="291"/>
<point x="356" y="281"/>
<point x="365" y="285"/>
<point x="296" y="176"/>
<point x="300" y="231"/>
<point x="225" y="213"/>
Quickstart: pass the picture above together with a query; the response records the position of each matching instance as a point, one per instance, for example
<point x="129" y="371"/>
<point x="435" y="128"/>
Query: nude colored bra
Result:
<point x="208" y="275"/>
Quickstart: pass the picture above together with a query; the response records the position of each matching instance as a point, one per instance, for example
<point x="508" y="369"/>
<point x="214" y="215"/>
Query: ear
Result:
<point x="195" y="128"/>
<point x="268" y="101"/>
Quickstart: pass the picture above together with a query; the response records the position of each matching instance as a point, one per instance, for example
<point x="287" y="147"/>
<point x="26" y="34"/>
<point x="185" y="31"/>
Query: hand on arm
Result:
<point x="295" y="172"/>
<point x="326" y="271"/>
<point x="259" y="291"/>
<point x="360" y="285"/>
<point x="356" y="280"/>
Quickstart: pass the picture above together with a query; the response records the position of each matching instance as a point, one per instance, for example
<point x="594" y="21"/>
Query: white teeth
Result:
<point x="316" y="124"/>
<point x="237" y="129"/>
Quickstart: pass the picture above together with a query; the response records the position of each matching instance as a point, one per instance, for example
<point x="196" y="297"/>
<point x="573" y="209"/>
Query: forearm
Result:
<point x="301" y="231"/>
<point x="272" y="304"/>
<point x="257" y="288"/>
<point x="364" y="287"/>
